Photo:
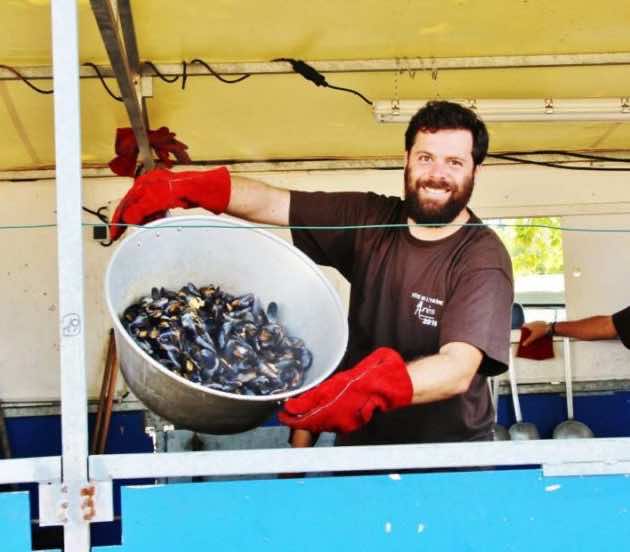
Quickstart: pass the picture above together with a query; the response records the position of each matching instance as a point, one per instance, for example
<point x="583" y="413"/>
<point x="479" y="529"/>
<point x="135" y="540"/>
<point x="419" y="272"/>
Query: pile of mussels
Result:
<point x="221" y="341"/>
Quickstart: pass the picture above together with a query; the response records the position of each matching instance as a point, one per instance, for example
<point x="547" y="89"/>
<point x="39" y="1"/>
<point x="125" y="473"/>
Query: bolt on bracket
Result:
<point x="81" y="502"/>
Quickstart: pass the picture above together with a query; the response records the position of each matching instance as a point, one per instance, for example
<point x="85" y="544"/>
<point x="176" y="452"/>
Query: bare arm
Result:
<point x="445" y="374"/>
<point x="259" y="202"/>
<point x="594" y="327"/>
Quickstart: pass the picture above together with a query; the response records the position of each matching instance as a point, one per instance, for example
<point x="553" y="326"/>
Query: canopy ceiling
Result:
<point x="282" y="116"/>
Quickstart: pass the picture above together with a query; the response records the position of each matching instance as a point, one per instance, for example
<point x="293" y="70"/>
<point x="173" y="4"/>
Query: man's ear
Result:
<point x="477" y="170"/>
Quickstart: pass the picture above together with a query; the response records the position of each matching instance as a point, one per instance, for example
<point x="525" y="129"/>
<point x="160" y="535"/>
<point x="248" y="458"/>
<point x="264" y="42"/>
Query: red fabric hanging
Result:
<point x="162" y="141"/>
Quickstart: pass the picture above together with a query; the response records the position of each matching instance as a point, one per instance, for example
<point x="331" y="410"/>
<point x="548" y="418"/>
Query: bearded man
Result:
<point x="431" y="287"/>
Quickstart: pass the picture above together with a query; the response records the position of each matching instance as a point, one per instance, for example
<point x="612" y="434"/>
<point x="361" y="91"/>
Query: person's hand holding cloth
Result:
<point x="156" y="191"/>
<point x="348" y="400"/>
<point x="536" y="341"/>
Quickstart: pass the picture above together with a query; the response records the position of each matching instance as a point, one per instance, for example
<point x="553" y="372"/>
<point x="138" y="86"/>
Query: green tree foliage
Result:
<point x="534" y="248"/>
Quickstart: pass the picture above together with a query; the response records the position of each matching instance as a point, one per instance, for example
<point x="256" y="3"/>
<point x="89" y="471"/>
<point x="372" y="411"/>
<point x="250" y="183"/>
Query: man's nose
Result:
<point x="438" y="169"/>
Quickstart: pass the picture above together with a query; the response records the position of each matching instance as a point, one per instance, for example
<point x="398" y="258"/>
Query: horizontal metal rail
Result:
<point x="243" y="166"/>
<point x="403" y="64"/>
<point x="588" y="454"/>
<point x="29" y="470"/>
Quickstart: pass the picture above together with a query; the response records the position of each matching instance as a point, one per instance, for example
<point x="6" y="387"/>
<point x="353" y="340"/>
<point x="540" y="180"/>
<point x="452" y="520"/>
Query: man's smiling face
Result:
<point x="439" y="175"/>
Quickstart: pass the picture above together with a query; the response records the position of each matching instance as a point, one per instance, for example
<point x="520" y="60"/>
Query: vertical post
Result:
<point x="70" y="265"/>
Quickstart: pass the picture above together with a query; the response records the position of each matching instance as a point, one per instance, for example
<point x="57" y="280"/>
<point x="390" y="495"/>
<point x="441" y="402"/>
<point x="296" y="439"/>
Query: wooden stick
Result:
<point x="103" y="394"/>
<point x="109" y="399"/>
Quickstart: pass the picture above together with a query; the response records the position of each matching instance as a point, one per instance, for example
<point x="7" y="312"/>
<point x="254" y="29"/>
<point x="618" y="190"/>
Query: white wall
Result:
<point x="29" y="364"/>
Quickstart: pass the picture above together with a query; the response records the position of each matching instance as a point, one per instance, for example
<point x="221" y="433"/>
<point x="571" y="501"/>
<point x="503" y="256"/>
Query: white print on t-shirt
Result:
<point x="426" y="309"/>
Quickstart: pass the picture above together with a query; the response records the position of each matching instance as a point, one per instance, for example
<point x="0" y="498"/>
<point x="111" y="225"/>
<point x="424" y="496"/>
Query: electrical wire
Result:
<point x="215" y="74"/>
<point x="157" y="72"/>
<point x="100" y="76"/>
<point x="590" y="156"/>
<point x="98" y="213"/>
<point x="555" y="165"/>
<point x="103" y="218"/>
<point x="184" y="74"/>
<point x="310" y="73"/>
<point x="25" y="80"/>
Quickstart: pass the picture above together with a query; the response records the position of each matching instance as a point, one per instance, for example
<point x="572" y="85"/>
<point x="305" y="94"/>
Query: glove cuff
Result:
<point x="208" y="189"/>
<point x="397" y="384"/>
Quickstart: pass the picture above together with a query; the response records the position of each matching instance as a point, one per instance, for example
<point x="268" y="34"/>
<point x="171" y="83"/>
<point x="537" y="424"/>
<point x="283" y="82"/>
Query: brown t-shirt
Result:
<point x="621" y="320"/>
<point x="413" y="296"/>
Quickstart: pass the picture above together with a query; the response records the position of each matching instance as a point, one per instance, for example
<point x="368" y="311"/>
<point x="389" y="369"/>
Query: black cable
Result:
<point x="103" y="218"/>
<point x="307" y="71"/>
<point x="25" y="80"/>
<point x="184" y="74"/>
<point x="310" y="73"/>
<point x="555" y="165"/>
<point x="157" y="72"/>
<point x="591" y="156"/>
<point x="215" y="74"/>
<point x="98" y="214"/>
<point x="98" y="73"/>
<point x="352" y="92"/>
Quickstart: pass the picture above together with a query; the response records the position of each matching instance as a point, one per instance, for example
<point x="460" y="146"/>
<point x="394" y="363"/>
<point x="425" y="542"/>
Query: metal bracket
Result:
<point x="146" y="86"/>
<point x="86" y="502"/>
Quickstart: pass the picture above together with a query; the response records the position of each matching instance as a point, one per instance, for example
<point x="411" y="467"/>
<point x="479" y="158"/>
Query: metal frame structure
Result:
<point x="112" y="20"/>
<point x="570" y="457"/>
<point x="74" y="430"/>
<point x="75" y="489"/>
<point x="391" y="65"/>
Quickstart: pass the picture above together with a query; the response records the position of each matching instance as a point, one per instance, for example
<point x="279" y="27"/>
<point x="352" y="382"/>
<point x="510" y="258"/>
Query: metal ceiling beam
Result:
<point x="131" y="45"/>
<point x="357" y="66"/>
<point x="123" y="55"/>
<point x="100" y="170"/>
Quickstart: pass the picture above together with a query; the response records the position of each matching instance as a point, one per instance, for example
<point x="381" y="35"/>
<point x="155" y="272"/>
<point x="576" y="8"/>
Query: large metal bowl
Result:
<point x="240" y="258"/>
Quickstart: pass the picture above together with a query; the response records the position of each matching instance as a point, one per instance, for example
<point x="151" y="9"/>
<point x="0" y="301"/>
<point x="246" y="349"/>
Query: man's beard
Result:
<point x="433" y="213"/>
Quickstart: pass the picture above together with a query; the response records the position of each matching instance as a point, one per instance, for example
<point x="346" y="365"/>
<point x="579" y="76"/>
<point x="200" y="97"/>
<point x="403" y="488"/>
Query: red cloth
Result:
<point x="161" y="140"/>
<point x="346" y="401"/>
<point x="541" y="349"/>
<point x="153" y="193"/>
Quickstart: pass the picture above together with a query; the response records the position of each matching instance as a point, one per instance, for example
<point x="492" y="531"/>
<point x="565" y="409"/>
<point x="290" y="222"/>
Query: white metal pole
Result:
<point x="568" y="378"/>
<point x="70" y="265"/>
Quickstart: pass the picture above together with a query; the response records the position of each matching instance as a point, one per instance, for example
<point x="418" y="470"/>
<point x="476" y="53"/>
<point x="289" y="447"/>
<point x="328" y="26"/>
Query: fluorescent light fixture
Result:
<point x="595" y="109"/>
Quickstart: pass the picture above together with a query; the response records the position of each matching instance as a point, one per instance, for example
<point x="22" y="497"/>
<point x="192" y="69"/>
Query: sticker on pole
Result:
<point x="71" y="325"/>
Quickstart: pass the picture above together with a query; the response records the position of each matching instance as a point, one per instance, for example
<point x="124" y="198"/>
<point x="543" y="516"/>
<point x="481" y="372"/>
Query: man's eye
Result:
<point x="455" y="162"/>
<point x="424" y="158"/>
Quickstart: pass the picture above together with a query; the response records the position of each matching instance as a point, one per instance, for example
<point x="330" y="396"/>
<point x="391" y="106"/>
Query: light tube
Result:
<point x="519" y="110"/>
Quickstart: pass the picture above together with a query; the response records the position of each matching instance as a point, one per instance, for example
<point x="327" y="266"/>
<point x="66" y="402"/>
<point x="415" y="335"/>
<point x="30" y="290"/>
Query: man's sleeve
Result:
<point x="479" y="313"/>
<point x="319" y="217"/>
<point x="621" y="320"/>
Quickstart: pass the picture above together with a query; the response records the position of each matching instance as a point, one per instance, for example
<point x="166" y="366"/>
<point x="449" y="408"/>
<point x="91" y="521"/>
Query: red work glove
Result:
<point x="158" y="190"/>
<point x="348" y="400"/>
<point x="161" y="140"/>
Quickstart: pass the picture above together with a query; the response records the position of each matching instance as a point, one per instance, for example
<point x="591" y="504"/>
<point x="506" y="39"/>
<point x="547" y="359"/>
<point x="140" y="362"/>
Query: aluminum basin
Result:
<point x="240" y="258"/>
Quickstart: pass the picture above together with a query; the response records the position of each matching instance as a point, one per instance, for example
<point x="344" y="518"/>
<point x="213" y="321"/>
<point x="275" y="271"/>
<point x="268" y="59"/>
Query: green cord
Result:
<point x="350" y="227"/>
